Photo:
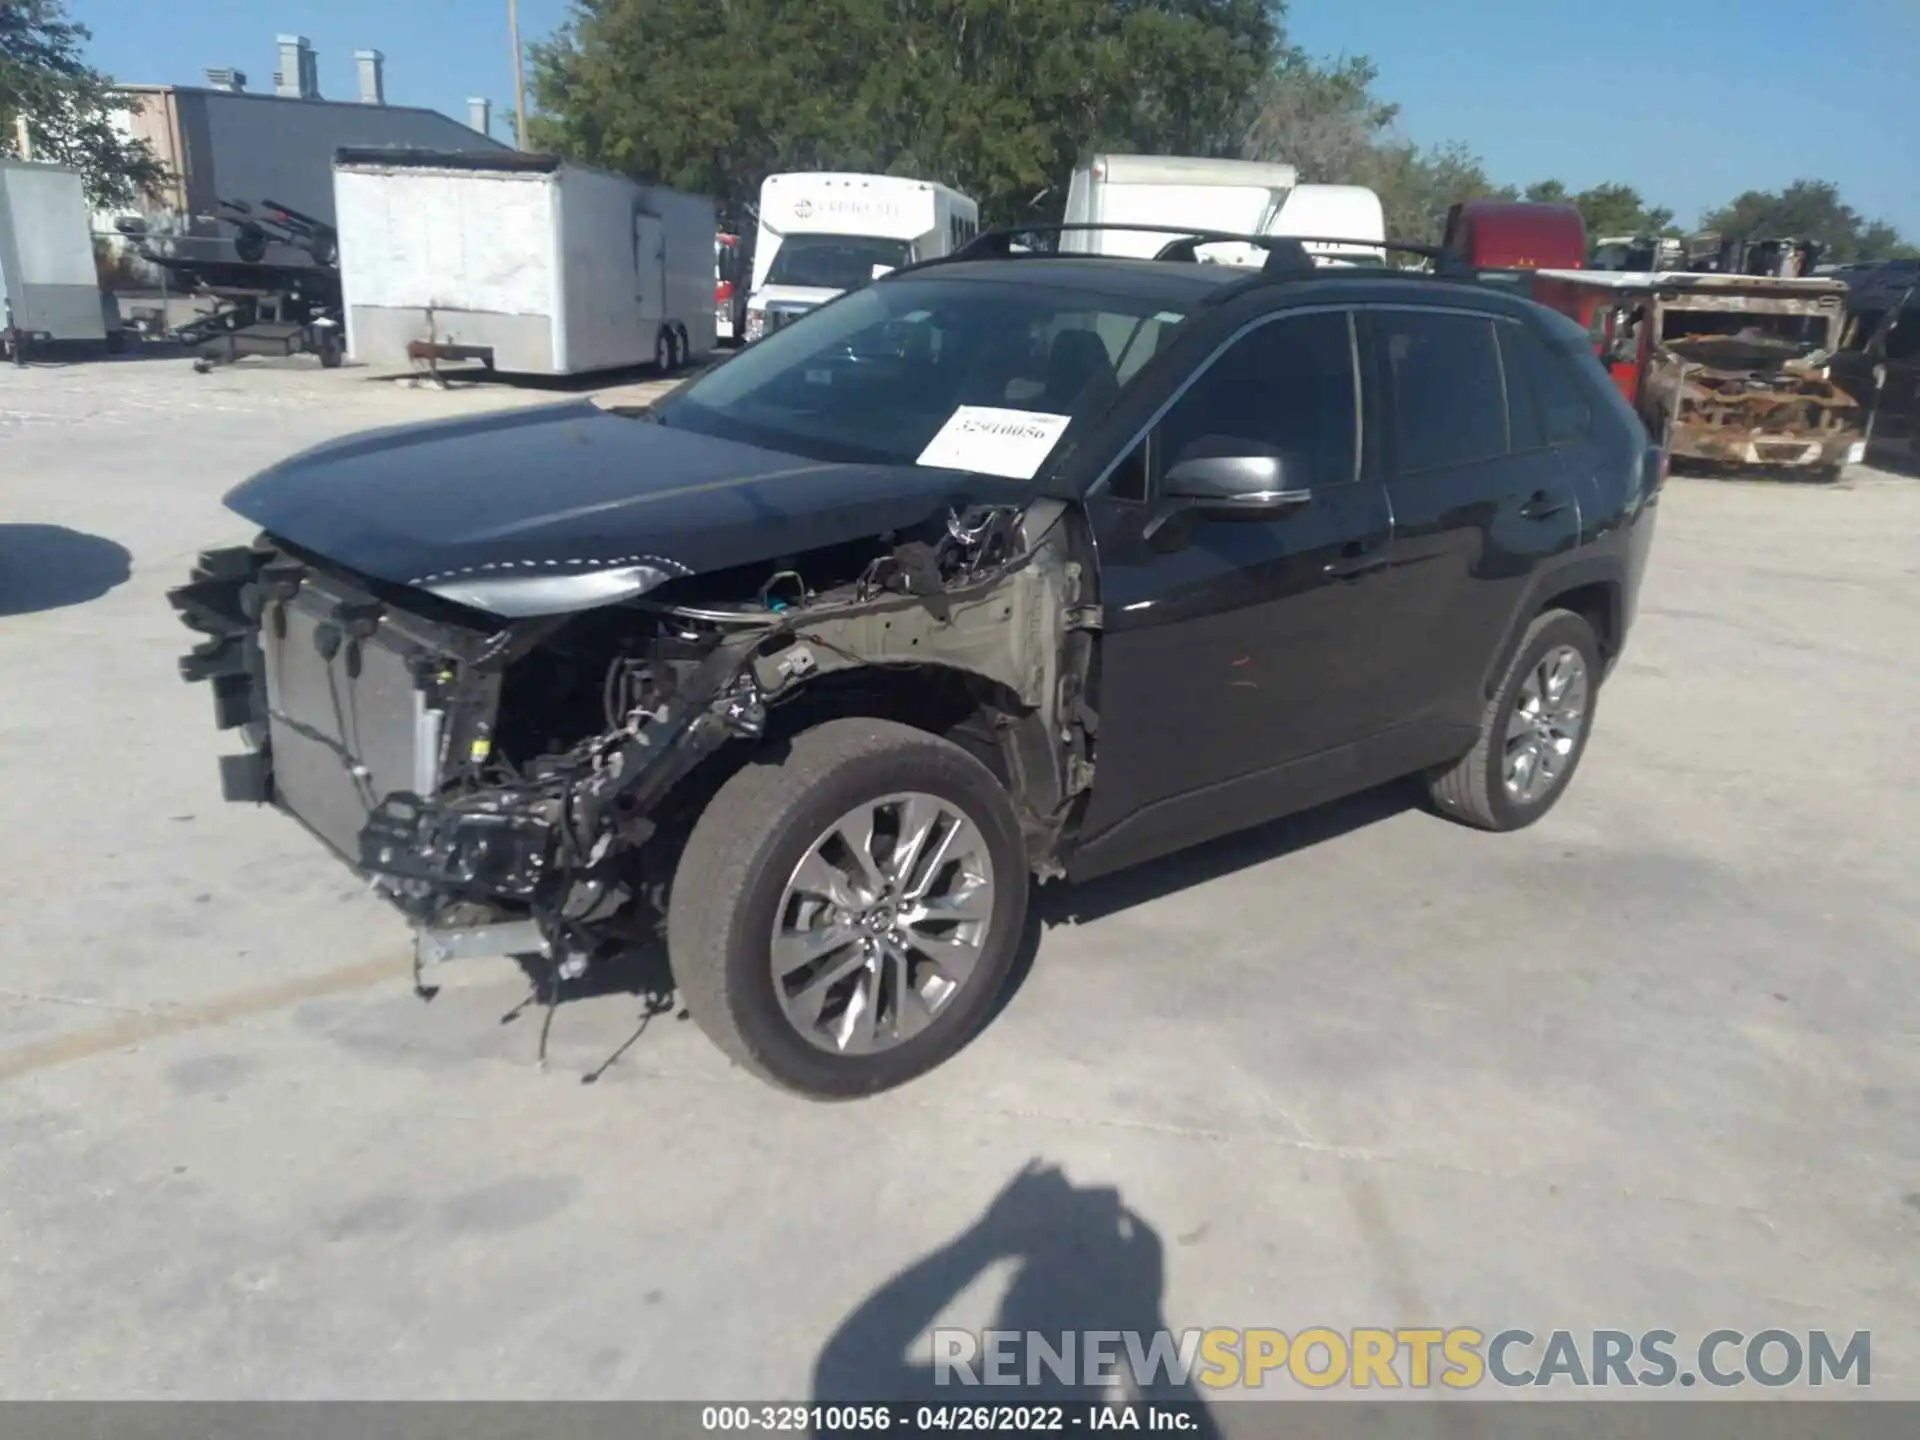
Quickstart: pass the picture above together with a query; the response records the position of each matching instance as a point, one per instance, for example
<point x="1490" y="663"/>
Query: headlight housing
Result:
<point x="516" y="594"/>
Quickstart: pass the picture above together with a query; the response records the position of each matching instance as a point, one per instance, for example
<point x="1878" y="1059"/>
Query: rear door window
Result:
<point x="1448" y="403"/>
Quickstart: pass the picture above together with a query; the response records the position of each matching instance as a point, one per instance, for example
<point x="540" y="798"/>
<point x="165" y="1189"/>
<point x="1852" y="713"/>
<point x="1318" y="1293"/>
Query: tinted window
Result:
<point x="1449" y="408"/>
<point x="1286" y="386"/>
<point x="1547" y="404"/>
<point x="876" y="374"/>
<point x="1903" y="342"/>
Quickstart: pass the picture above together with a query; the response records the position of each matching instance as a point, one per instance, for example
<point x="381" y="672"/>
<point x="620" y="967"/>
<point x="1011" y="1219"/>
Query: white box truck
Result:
<point x="822" y="234"/>
<point x="47" y="275"/>
<point x="1241" y="197"/>
<point x="529" y="264"/>
<point x="1337" y="225"/>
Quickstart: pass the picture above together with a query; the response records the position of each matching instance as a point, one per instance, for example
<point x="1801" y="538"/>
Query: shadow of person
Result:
<point x="1086" y="1263"/>
<point x="46" y="567"/>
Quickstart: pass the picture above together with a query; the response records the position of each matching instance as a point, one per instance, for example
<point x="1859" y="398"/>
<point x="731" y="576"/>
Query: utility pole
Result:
<point x="519" y="77"/>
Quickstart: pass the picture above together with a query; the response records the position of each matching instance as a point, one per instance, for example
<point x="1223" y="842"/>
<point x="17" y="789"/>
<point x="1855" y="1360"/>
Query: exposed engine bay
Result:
<point x="541" y="772"/>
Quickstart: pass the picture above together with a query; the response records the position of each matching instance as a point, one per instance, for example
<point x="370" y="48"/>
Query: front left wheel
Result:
<point x="842" y="920"/>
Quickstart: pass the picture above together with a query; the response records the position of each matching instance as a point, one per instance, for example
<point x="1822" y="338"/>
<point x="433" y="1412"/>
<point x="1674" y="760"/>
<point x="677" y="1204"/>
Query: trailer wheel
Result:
<point x="663" y="351"/>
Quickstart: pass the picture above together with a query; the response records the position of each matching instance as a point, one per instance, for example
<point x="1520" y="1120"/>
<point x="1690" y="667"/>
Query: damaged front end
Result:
<point x="521" y="786"/>
<point x="1745" y="381"/>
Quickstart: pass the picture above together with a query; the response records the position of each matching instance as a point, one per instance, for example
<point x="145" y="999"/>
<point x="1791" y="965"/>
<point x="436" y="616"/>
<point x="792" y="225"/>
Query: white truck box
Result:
<point x="46" y="253"/>
<point x="1241" y="197"/>
<point x="537" y="266"/>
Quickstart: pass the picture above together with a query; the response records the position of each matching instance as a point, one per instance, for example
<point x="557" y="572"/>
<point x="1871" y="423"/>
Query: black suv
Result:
<point x="1005" y="566"/>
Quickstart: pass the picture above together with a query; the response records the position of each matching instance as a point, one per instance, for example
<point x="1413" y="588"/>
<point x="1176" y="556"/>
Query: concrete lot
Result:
<point x="1650" y="1064"/>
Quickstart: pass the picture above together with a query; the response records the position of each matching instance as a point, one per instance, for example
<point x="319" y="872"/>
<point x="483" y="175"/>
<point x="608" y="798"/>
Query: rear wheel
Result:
<point x="842" y="921"/>
<point x="1533" y="732"/>
<point x="665" y="357"/>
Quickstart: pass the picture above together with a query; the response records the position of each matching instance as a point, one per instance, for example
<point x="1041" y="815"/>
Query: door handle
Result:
<point x="1540" y="505"/>
<point x="1353" y="568"/>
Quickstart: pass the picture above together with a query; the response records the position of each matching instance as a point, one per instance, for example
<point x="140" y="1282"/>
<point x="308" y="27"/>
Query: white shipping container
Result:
<point x="46" y="253"/>
<point x="533" y="265"/>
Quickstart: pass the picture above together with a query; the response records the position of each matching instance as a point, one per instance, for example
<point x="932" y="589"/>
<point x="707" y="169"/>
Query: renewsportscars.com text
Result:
<point x="1460" y="1358"/>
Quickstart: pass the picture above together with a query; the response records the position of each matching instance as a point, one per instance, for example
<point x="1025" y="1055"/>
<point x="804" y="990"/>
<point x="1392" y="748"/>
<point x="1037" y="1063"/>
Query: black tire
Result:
<point x="663" y="351"/>
<point x="1473" y="790"/>
<point x="733" y="872"/>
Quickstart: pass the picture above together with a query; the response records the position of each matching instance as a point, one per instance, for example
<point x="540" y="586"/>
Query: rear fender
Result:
<point x="1605" y="575"/>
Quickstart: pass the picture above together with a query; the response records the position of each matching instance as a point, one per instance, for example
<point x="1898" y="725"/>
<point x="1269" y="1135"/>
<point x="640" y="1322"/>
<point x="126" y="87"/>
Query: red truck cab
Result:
<point x="1531" y="248"/>
<point x="1513" y="236"/>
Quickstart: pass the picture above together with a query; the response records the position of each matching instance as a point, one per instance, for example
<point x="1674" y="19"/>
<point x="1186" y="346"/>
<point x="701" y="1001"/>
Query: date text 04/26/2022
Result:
<point x="1092" y="1416"/>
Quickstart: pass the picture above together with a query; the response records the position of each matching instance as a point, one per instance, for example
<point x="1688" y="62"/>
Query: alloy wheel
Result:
<point x="882" y="922"/>
<point x="1543" y="731"/>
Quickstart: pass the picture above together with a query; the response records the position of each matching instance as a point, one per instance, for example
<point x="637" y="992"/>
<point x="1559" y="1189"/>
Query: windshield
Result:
<point x="834" y="262"/>
<point x="875" y="375"/>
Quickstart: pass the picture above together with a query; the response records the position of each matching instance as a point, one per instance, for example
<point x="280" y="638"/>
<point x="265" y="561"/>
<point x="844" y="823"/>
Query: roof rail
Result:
<point x="1287" y="255"/>
<point x="1284" y="256"/>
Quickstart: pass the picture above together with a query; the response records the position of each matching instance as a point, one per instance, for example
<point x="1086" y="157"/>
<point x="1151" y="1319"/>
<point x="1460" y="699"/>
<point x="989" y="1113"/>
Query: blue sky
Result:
<point x="1691" y="102"/>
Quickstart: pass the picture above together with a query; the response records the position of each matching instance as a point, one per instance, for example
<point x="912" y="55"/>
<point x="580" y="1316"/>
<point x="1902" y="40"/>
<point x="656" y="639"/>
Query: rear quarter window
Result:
<point x="1903" y="341"/>
<point x="1548" y="403"/>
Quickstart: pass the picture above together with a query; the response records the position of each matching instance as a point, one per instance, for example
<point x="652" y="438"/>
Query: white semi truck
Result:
<point x="534" y="266"/>
<point x="822" y="234"/>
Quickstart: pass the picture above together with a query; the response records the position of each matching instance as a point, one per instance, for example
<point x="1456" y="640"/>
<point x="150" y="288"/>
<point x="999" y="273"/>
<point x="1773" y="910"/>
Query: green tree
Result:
<point x="67" y="105"/>
<point x="1417" y="187"/>
<point x="1324" y="120"/>
<point x="998" y="97"/>
<point x="1808" y="210"/>
<point x="1617" y="209"/>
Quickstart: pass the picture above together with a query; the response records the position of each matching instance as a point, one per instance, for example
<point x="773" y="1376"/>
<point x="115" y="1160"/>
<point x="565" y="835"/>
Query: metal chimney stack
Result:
<point x="373" y="85"/>
<point x="480" y="114"/>
<point x="299" y="75"/>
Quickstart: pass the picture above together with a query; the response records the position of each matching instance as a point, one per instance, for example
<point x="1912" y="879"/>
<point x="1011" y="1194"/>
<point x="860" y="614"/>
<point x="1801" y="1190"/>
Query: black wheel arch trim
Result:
<point x="1580" y="573"/>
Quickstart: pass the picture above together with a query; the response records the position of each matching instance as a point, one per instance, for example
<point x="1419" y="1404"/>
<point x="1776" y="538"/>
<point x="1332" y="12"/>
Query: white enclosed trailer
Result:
<point x="1240" y="197"/>
<point x="51" y="288"/>
<point x="535" y="266"/>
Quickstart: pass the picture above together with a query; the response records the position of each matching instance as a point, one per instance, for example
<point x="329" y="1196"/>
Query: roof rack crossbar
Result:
<point x="1287" y="255"/>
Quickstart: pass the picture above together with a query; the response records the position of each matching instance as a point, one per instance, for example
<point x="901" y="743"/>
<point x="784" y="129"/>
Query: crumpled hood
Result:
<point x="573" y="486"/>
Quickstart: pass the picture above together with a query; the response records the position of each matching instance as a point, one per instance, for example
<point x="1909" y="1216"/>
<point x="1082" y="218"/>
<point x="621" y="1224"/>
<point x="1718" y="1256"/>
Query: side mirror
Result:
<point x="1227" y="487"/>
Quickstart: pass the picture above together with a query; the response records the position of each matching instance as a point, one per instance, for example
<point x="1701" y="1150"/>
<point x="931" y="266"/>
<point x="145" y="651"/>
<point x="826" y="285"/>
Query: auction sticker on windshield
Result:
<point x="1009" y="443"/>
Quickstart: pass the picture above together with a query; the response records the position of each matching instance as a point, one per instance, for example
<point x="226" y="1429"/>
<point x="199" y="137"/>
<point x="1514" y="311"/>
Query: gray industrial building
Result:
<point x="221" y="141"/>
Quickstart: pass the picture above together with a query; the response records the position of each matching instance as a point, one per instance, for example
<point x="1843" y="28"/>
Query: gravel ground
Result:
<point x="1649" y="1064"/>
